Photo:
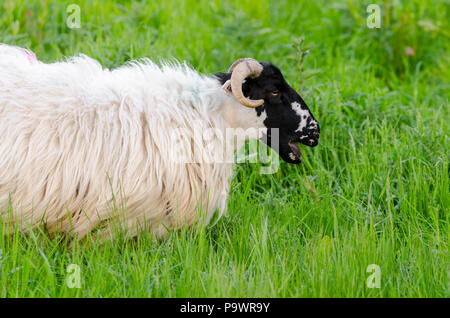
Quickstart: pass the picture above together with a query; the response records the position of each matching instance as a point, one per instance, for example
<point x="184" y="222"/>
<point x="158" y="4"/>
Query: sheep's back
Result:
<point x="82" y="145"/>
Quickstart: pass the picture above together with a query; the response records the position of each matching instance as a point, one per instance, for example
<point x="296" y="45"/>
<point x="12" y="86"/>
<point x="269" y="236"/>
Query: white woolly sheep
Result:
<point x="77" y="139"/>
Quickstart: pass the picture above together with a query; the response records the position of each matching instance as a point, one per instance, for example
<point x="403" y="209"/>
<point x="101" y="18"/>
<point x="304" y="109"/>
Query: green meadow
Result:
<point x="374" y="191"/>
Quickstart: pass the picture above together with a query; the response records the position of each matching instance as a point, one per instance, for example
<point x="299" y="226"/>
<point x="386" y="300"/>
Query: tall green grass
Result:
<point x="375" y="190"/>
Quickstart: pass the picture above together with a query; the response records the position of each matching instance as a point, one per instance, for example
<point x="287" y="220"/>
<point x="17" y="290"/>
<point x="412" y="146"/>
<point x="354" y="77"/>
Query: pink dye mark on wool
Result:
<point x="30" y="55"/>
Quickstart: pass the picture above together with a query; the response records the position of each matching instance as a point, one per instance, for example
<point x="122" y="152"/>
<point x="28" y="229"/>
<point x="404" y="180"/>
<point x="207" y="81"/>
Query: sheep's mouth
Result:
<point x="295" y="153"/>
<point x="288" y="148"/>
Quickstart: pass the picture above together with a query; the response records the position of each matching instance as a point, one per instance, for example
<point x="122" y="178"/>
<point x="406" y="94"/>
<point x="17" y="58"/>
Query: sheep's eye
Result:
<point x="274" y="93"/>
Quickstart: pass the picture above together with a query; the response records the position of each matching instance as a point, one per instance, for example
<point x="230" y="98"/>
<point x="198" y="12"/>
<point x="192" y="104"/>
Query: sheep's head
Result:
<point x="261" y="86"/>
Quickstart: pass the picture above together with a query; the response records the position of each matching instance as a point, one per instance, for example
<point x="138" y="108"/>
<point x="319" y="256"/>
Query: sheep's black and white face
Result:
<point x="284" y="109"/>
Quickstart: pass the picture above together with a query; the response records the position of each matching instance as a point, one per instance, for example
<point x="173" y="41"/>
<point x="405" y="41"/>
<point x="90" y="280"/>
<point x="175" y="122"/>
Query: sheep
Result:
<point x="78" y="140"/>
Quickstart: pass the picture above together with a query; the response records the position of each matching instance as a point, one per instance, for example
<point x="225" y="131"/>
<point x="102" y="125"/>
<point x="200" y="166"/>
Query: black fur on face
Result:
<point x="284" y="109"/>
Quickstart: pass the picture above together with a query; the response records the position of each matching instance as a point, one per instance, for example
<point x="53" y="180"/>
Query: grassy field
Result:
<point x="375" y="190"/>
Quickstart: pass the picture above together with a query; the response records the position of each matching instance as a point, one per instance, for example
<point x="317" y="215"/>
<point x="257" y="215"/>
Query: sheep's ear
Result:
<point x="227" y="87"/>
<point x="224" y="79"/>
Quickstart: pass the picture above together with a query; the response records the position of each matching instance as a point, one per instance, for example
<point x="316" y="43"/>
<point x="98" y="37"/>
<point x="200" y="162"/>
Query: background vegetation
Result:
<point x="375" y="190"/>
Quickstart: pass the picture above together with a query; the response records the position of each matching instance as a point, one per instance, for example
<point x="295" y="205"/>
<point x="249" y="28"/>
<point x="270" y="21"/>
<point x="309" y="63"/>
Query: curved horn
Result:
<point x="242" y="69"/>
<point x="239" y="61"/>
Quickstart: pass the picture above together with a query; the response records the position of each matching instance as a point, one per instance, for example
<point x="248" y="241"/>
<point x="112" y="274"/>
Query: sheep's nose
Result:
<point x="315" y="134"/>
<point x="314" y="130"/>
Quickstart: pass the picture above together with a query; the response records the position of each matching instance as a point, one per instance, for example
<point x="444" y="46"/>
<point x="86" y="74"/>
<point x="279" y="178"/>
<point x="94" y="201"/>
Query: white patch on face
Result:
<point x="260" y="122"/>
<point x="313" y="125"/>
<point x="303" y="113"/>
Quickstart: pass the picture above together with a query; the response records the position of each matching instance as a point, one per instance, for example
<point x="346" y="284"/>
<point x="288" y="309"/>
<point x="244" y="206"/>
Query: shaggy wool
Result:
<point x="83" y="147"/>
